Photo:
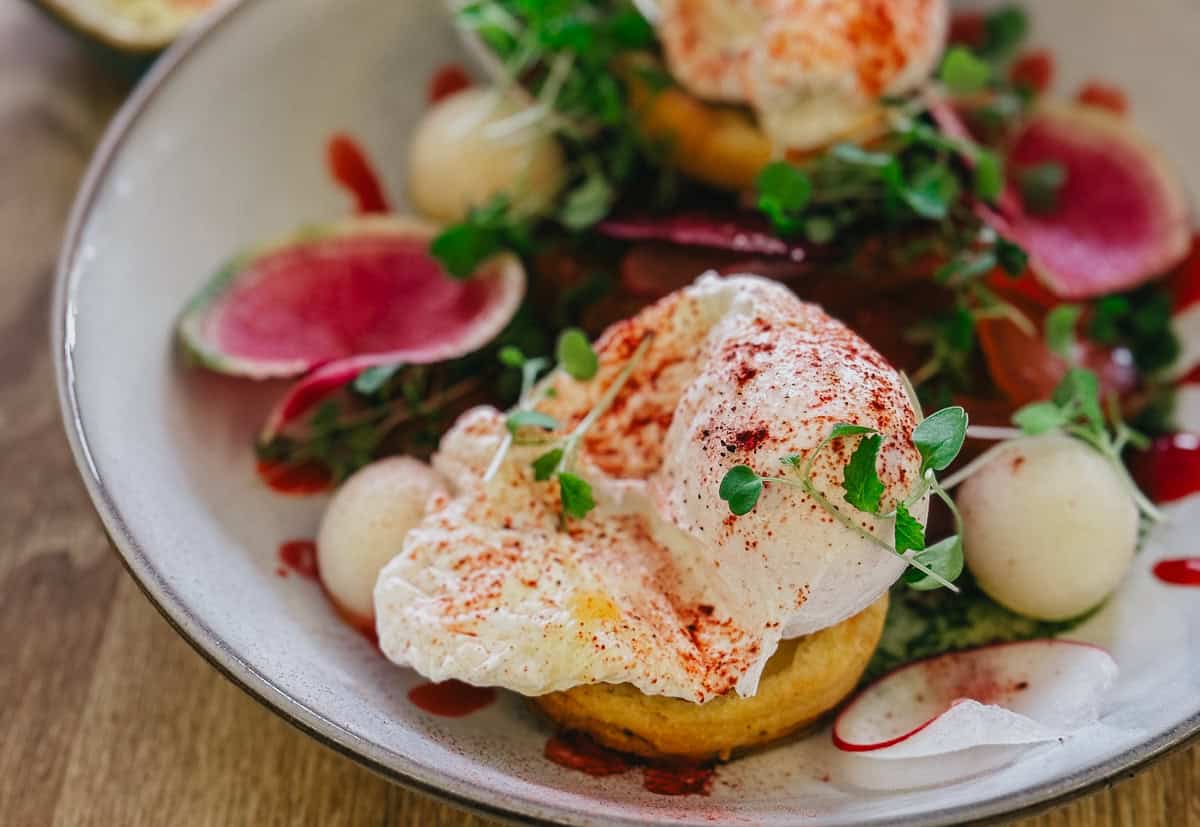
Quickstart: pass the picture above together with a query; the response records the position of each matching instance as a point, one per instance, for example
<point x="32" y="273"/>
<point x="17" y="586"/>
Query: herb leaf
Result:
<point x="545" y="465"/>
<point x="939" y="437"/>
<point x="374" y="378"/>
<point x="576" y="495"/>
<point x="588" y="203"/>
<point x="1039" y="418"/>
<point x="989" y="175"/>
<point x="909" y="533"/>
<point x="576" y="356"/>
<point x="1060" y="328"/>
<point x="1079" y="391"/>
<point x="511" y="356"/>
<point x="963" y="72"/>
<point x="860" y="480"/>
<point x="1039" y="186"/>
<point x="523" y="418"/>
<point x="487" y="230"/>
<point x="741" y="488"/>
<point x="845" y="429"/>
<point x="783" y="191"/>
<point x="944" y="557"/>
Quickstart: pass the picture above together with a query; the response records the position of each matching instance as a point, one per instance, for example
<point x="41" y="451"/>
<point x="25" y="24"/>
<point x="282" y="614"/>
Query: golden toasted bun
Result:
<point x="803" y="680"/>
<point x="719" y="145"/>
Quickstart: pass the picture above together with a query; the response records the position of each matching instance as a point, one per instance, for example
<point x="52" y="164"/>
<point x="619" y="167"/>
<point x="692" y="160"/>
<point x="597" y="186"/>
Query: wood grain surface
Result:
<point x="106" y="716"/>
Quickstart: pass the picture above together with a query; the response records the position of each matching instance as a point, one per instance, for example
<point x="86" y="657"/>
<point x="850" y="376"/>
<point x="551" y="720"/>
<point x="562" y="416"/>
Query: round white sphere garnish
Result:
<point x="1049" y="527"/>
<point x="364" y="527"/>
<point x="477" y="144"/>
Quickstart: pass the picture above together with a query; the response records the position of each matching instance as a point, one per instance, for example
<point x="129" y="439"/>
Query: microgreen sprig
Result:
<point x="559" y="461"/>
<point x="938" y="439"/>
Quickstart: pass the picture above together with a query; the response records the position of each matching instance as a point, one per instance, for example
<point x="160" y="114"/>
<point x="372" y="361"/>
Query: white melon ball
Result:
<point x="467" y="149"/>
<point x="1050" y="527"/>
<point x="364" y="527"/>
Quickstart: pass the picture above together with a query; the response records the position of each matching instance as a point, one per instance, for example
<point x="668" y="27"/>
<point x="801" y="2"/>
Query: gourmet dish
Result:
<point x="737" y="367"/>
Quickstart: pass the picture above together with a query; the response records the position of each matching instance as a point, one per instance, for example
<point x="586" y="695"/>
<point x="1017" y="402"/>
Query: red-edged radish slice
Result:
<point x="1005" y="694"/>
<point x="1122" y="215"/>
<point x="363" y="288"/>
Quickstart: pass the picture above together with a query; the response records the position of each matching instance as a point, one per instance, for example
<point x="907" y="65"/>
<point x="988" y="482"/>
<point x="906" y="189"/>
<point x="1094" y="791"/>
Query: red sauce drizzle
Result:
<point x="577" y="751"/>
<point x="1104" y="96"/>
<point x="449" y="80"/>
<point x="680" y="779"/>
<point x="291" y="478"/>
<point x="352" y="171"/>
<point x="300" y="556"/>
<point x="1033" y="69"/>
<point x="1184" y="571"/>
<point x="451" y="699"/>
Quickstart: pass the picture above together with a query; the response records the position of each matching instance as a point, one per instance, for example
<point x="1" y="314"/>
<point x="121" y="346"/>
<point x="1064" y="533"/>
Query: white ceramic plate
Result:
<point x="222" y="146"/>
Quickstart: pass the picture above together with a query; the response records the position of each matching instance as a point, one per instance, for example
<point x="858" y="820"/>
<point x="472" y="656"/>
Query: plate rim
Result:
<point x="239" y="670"/>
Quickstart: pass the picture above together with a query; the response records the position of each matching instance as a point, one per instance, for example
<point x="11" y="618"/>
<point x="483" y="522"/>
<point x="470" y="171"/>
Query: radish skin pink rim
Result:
<point x="241" y="668"/>
<point x="852" y="746"/>
<point x="485" y="306"/>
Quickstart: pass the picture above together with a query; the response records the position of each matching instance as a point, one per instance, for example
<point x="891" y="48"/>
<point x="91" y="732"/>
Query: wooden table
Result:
<point x="106" y="716"/>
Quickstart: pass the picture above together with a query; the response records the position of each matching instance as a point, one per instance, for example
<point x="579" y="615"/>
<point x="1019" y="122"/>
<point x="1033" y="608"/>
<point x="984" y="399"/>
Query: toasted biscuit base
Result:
<point x="803" y="680"/>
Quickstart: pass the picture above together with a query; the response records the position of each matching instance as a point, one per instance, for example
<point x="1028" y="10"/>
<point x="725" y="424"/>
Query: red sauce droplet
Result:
<point x="352" y="171"/>
<point x="300" y="556"/>
<point x="1104" y="96"/>
<point x="281" y="572"/>
<point x="294" y="478"/>
<point x="1184" y="571"/>
<point x="1170" y="470"/>
<point x="577" y="751"/>
<point x="968" y="28"/>
<point x="451" y="699"/>
<point x="680" y="779"/>
<point x="1033" y="69"/>
<point x="449" y="80"/>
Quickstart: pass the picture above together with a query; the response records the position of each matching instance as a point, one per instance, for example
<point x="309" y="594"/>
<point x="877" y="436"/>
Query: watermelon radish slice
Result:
<point x="364" y="289"/>
<point x="737" y="232"/>
<point x="1121" y="217"/>
<point x="972" y="704"/>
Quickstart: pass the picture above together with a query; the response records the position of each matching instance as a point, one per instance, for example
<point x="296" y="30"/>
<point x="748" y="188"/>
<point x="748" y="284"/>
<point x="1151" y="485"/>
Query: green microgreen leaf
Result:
<point x="1004" y="29"/>
<point x="989" y="175"/>
<point x="792" y="460"/>
<point x="576" y="495"/>
<point x="820" y="229"/>
<point x="545" y="465"/>
<point x="487" y="230"/>
<point x="854" y="154"/>
<point x="511" y="356"/>
<point x="845" y="429"/>
<point x="1079" y="391"/>
<point x="909" y="533"/>
<point x="1039" y="418"/>
<point x="523" y="418"/>
<point x="931" y="192"/>
<point x="588" y="203"/>
<point x="783" y="191"/>
<point x="860" y="480"/>
<point x="374" y="378"/>
<point x="963" y="73"/>
<point x="1011" y="257"/>
<point x="1040" y="185"/>
<point x="741" y="488"/>
<point x="1059" y="328"/>
<point x="576" y="356"/>
<point x="944" y="557"/>
<point x="939" y="437"/>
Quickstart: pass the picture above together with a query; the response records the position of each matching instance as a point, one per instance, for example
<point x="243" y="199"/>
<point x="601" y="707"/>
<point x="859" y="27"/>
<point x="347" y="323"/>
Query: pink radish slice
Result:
<point x="1185" y="321"/>
<point x="1005" y="694"/>
<point x="322" y="383"/>
<point x="737" y="232"/>
<point x="363" y="289"/>
<point x="1121" y="217"/>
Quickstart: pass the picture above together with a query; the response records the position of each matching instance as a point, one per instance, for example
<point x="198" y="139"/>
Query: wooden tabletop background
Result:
<point x="106" y="716"/>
